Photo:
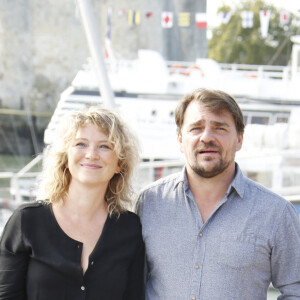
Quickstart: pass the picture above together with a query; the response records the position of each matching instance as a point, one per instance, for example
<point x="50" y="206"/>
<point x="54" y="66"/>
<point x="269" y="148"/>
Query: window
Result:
<point x="264" y="120"/>
<point x="282" y="119"/>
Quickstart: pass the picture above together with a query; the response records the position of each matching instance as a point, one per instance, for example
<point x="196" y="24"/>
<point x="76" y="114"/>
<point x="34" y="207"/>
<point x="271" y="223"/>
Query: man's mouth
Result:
<point x="208" y="151"/>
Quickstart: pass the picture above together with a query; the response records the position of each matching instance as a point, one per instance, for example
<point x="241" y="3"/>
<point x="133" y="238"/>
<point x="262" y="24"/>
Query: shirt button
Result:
<point x="82" y="288"/>
<point x="197" y="267"/>
<point x="92" y="263"/>
<point x="193" y="298"/>
<point x="78" y="246"/>
<point x="200" y="234"/>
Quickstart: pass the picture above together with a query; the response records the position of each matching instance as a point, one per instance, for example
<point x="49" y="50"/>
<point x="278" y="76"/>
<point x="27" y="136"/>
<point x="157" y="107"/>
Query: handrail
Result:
<point x="261" y="71"/>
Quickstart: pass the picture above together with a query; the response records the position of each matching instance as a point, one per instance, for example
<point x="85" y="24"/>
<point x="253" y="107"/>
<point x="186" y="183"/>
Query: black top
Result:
<point x="39" y="261"/>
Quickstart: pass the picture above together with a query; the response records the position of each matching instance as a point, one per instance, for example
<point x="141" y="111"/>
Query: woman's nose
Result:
<point x="92" y="153"/>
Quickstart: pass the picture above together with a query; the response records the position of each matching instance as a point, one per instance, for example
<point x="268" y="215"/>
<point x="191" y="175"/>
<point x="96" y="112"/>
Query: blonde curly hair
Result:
<point x="55" y="178"/>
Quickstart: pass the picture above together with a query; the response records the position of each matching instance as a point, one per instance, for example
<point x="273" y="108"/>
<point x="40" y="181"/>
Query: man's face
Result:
<point x="208" y="140"/>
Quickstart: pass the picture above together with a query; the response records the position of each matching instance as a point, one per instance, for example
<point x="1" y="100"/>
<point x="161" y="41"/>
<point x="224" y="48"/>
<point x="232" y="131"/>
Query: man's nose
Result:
<point x="206" y="135"/>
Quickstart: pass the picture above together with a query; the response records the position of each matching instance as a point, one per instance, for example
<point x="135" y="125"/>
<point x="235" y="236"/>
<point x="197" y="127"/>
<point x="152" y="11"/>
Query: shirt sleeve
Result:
<point x="135" y="285"/>
<point x="13" y="260"/>
<point x="285" y="259"/>
<point x="138" y="205"/>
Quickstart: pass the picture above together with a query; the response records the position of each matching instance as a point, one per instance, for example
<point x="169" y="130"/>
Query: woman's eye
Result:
<point x="104" y="147"/>
<point x="80" y="144"/>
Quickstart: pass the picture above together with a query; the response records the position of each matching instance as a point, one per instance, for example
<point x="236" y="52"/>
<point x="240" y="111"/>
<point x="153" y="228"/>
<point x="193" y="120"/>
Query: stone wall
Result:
<point x="43" y="44"/>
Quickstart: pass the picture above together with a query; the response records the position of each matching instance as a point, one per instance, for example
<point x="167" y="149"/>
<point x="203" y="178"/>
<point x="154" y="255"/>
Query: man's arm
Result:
<point x="285" y="257"/>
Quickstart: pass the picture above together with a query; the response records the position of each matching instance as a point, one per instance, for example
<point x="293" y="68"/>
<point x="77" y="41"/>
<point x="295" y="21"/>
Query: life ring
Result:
<point x="191" y="69"/>
<point x="183" y="70"/>
<point x="251" y="75"/>
<point x="176" y="69"/>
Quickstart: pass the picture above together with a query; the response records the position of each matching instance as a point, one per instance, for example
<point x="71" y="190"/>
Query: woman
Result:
<point x="80" y="243"/>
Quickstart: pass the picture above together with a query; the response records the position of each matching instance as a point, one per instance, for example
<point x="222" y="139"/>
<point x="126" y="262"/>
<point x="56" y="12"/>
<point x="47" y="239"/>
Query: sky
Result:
<point x="213" y="5"/>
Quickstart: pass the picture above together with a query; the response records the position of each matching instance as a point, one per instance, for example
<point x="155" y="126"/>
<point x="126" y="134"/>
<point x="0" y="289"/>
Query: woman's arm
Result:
<point x="14" y="259"/>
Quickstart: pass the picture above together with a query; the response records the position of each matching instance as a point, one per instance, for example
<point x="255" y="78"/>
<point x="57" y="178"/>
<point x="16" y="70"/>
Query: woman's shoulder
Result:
<point x="130" y="215"/>
<point x="33" y="208"/>
<point x="33" y="205"/>
<point x="128" y="218"/>
<point x="25" y="217"/>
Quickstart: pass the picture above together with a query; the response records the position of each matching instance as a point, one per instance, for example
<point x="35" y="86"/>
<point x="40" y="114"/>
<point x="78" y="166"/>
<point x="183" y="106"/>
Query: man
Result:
<point x="210" y="232"/>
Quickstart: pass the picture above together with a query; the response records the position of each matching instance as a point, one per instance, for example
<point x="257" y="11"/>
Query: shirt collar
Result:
<point x="237" y="184"/>
<point x="182" y="178"/>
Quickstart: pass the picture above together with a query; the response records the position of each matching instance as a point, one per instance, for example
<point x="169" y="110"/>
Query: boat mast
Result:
<point x="96" y="50"/>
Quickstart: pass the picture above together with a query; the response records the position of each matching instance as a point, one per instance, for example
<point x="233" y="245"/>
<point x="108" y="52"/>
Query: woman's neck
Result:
<point x="85" y="201"/>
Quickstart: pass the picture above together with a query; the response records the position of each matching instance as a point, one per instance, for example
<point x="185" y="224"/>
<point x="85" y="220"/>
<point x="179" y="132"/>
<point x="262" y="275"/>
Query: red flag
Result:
<point x="200" y="19"/>
<point x="284" y="17"/>
<point x="149" y="14"/>
<point x="167" y="19"/>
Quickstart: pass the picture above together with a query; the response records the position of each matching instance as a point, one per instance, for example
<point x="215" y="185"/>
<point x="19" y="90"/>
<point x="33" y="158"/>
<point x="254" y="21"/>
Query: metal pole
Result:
<point x="89" y="24"/>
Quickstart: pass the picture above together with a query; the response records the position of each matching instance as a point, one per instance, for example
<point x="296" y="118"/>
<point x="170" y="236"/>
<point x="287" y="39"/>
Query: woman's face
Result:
<point x="91" y="158"/>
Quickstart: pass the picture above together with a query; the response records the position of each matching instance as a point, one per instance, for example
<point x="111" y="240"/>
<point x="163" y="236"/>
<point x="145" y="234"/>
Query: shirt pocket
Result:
<point x="237" y="251"/>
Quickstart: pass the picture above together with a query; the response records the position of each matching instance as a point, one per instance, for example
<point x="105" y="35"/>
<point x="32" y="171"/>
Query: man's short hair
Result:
<point x="214" y="100"/>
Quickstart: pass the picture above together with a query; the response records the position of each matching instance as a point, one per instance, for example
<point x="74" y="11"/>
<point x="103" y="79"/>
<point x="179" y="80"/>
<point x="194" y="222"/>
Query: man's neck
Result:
<point x="208" y="192"/>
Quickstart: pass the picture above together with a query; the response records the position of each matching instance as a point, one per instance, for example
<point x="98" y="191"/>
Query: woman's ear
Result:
<point x="118" y="169"/>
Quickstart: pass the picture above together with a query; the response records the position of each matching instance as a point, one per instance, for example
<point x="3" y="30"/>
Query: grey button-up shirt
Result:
<point x="251" y="239"/>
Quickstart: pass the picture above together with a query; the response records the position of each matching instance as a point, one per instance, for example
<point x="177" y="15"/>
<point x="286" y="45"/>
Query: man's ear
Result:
<point x="239" y="143"/>
<point x="179" y="138"/>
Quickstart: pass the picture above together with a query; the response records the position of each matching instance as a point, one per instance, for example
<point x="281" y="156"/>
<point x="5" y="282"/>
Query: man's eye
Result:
<point x="220" y="128"/>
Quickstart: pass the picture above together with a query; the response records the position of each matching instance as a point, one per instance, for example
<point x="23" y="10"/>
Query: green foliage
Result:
<point x="231" y="43"/>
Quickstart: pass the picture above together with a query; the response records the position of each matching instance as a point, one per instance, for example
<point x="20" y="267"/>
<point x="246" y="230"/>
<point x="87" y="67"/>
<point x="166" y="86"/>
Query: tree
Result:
<point x="231" y="43"/>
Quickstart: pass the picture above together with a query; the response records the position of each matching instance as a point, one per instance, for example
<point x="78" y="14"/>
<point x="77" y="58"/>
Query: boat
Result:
<point x="146" y="92"/>
<point x="271" y="147"/>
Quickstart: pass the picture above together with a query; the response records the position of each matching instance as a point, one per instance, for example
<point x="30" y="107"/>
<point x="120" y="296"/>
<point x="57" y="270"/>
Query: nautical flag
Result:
<point x="149" y="14"/>
<point x="134" y="17"/>
<point x="184" y="19"/>
<point x="122" y="11"/>
<point x="200" y="19"/>
<point x="264" y="16"/>
<point x="284" y="17"/>
<point x="247" y="19"/>
<point x="167" y="19"/>
<point x="224" y="17"/>
<point x="108" y="49"/>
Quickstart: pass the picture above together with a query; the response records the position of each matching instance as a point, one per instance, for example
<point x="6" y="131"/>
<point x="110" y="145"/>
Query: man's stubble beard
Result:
<point x="219" y="168"/>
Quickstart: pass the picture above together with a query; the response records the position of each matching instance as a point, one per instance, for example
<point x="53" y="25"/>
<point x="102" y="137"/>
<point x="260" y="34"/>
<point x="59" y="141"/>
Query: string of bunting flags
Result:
<point x="247" y="17"/>
<point x="184" y="19"/>
<point x="264" y="17"/>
